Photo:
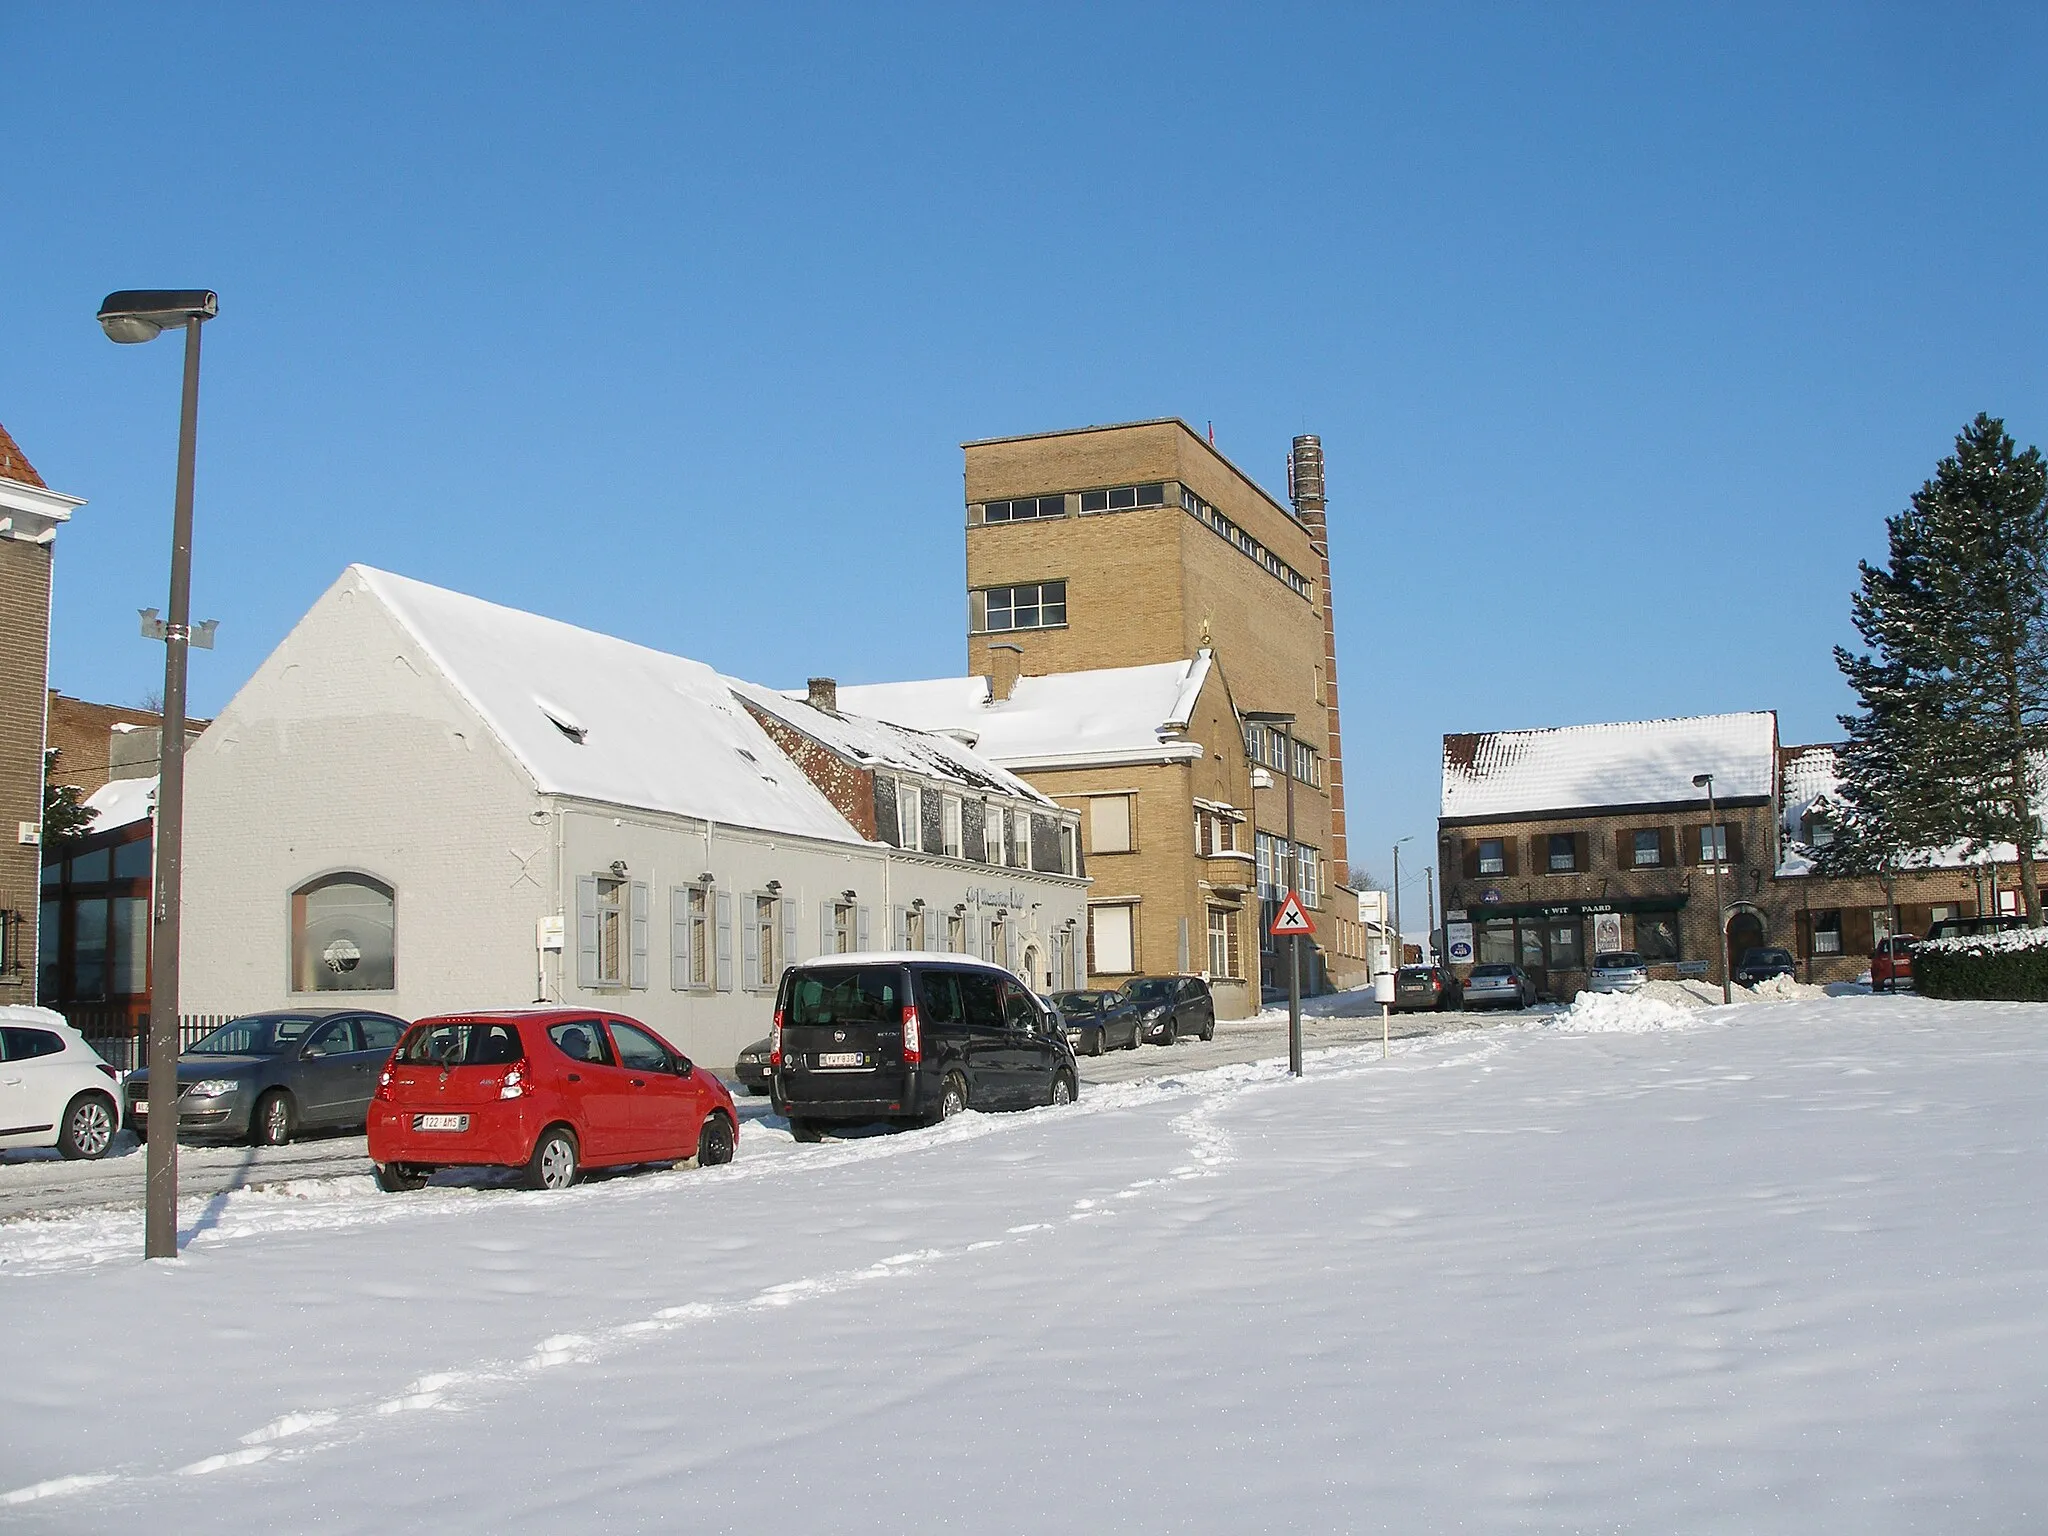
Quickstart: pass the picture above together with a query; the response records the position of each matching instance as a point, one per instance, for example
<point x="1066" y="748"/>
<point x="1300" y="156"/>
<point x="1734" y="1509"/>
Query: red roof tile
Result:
<point x="14" y="464"/>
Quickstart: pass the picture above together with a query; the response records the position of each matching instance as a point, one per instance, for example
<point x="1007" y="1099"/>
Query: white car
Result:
<point x="54" y="1089"/>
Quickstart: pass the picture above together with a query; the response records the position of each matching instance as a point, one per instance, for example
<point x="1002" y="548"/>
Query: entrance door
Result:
<point x="1745" y="932"/>
<point x="1530" y="934"/>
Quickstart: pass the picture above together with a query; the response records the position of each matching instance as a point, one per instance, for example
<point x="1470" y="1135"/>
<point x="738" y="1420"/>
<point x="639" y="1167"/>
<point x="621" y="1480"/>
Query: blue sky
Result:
<point x="1624" y="327"/>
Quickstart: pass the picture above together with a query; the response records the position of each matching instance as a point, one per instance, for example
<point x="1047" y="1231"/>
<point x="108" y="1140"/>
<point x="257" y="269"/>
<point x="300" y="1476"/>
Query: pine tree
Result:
<point x="1947" y="745"/>
<point x="64" y="813"/>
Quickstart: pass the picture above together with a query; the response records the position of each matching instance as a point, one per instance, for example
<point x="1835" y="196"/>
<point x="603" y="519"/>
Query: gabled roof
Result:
<point x="599" y="718"/>
<point x="1637" y="762"/>
<point x="878" y="744"/>
<point x="14" y="464"/>
<point x="1064" y="719"/>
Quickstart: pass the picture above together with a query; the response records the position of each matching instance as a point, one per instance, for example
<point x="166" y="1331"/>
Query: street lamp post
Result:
<point x="1720" y="842"/>
<point x="1270" y="718"/>
<point x="136" y="316"/>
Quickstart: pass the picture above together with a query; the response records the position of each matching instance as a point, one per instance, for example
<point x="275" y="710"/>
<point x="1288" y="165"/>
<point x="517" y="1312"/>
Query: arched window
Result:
<point x="341" y="935"/>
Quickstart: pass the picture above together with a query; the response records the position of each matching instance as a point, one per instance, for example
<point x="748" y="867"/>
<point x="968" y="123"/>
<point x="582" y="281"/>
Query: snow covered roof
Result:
<point x="601" y="718"/>
<point x="1637" y="762"/>
<point x="121" y="803"/>
<point x="877" y="743"/>
<point x="1810" y="779"/>
<point x="1114" y="714"/>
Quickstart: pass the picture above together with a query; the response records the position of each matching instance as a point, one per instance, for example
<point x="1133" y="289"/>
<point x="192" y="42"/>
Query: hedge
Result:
<point x="1999" y="967"/>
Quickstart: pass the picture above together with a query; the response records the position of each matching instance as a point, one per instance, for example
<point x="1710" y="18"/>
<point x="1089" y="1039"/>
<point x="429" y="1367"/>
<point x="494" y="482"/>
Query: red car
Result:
<point x="551" y="1091"/>
<point x="1892" y="964"/>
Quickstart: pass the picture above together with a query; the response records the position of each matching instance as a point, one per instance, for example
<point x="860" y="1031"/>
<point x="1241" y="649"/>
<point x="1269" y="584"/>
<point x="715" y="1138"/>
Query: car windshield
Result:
<point x="1619" y="960"/>
<point x="849" y="994"/>
<point x="1080" y="1002"/>
<point x="461" y="1045"/>
<point x="1415" y="973"/>
<point x="261" y="1034"/>
<point x="1768" y="957"/>
<point x="1490" y="972"/>
<point x="1149" y="989"/>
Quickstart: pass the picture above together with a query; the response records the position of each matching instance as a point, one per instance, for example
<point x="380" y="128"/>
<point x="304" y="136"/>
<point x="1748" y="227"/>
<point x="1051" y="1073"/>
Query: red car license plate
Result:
<point x="440" y="1122"/>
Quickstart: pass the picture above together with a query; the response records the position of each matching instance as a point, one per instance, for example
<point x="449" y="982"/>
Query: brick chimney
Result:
<point x="824" y="694"/>
<point x="1005" y="666"/>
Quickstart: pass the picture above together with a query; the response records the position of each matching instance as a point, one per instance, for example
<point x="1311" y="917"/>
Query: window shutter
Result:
<point x="1734" y="841"/>
<point x="586" y="930"/>
<point x="977" y="612"/>
<point x="1471" y="845"/>
<point x="1582" y="856"/>
<point x="828" y="933"/>
<point x="1859" y="934"/>
<point x="788" y="905"/>
<point x="636" y="913"/>
<point x="722" y="905"/>
<point x="1689" y="843"/>
<point x="860" y="936"/>
<point x="678" y="939"/>
<point x="1803" y="928"/>
<point x="1624" y="849"/>
<point x="899" y="925"/>
<point x="1511" y="854"/>
<point x="750" y="946"/>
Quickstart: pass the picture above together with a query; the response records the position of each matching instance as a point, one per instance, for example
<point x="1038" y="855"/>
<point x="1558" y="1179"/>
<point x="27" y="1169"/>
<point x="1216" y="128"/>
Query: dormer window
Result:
<point x="563" y="721"/>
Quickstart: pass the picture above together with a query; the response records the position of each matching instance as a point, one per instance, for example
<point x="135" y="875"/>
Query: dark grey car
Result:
<point x="1098" y="1021"/>
<point x="1172" y="1006"/>
<point x="269" y="1075"/>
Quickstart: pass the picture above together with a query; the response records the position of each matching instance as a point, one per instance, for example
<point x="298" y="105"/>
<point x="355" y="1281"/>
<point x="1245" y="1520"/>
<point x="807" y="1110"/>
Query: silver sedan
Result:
<point x="1499" y="986"/>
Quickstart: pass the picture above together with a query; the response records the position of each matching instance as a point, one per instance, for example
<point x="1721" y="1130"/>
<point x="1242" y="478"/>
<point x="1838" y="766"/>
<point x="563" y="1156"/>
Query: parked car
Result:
<point x="912" y="1038"/>
<point x="267" y="1076"/>
<point x="551" y="1091"/>
<point x="1172" y="1006"/>
<point x="1760" y="965"/>
<point x="1425" y="986"/>
<point x="1974" y="927"/>
<point x="1892" y="964"/>
<point x="752" y="1067"/>
<point x="1097" y="1020"/>
<point x="1499" y="986"/>
<point x="1619" y="970"/>
<point x="54" y="1089"/>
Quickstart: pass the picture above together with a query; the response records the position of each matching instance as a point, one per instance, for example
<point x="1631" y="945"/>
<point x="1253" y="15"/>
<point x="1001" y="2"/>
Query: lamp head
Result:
<point x="1702" y="780"/>
<point x="143" y="314"/>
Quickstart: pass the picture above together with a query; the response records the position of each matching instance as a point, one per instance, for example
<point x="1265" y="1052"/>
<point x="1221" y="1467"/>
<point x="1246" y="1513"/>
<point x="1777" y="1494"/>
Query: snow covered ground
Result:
<point x="1632" y="1267"/>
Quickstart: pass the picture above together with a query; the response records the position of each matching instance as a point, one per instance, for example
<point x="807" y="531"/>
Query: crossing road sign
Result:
<point x="1291" y="919"/>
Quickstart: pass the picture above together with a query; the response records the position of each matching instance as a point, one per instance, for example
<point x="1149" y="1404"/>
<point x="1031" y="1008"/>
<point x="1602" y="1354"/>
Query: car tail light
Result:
<point x="775" y="1041"/>
<point x="514" y="1085"/>
<point x="112" y="1075"/>
<point x="384" y="1086"/>
<point x="913" y="1037"/>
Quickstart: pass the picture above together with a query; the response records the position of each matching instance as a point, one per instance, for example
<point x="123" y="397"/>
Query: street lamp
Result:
<point x="135" y="316"/>
<point x="1720" y="844"/>
<point x="1271" y="718"/>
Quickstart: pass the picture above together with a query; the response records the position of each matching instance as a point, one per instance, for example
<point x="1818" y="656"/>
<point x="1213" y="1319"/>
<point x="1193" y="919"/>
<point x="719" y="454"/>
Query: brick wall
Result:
<point x="24" y="673"/>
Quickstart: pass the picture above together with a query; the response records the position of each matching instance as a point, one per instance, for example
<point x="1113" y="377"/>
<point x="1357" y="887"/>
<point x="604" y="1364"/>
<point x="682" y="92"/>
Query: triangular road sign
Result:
<point x="1291" y="919"/>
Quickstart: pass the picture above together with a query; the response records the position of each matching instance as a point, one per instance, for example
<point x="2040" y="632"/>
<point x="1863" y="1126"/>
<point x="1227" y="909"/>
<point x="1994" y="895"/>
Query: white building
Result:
<point x="427" y="802"/>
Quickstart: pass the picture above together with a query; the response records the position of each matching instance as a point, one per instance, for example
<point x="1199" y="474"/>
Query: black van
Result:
<point x="911" y="1038"/>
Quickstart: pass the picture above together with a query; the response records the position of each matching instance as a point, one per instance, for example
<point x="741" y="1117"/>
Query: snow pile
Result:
<point x="1779" y="989"/>
<point x="1682" y="994"/>
<point x="1619" y="1013"/>
<point x="2005" y="942"/>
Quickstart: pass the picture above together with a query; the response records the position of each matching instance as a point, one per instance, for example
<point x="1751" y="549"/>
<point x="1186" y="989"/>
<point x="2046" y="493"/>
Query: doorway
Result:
<point x="1745" y="932"/>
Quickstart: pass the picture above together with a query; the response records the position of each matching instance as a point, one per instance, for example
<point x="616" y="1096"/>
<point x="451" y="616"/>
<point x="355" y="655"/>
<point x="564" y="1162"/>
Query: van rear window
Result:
<point x="461" y="1045"/>
<point x="853" y="994"/>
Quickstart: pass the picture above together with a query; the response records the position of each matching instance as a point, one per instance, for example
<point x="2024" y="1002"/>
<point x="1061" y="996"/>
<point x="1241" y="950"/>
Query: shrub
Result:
<point x="2003" y="967"/>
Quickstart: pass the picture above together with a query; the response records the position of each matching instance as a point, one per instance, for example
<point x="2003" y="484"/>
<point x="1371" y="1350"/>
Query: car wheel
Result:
<point x="1209" y="1027"/>
<point x="553" y="1164"/>
<point x="89" y="1123"/>
<point x="274" y="1120"/>
<point x="1100" y="1036"/>
<point x="398" y="1178"/>
<point x="714" y="1142"/>
<point x="953" y="1097"/>
<point x="803" y="1130"/>
<point x="1062" y="1089"/>
<point x="1137" y="1037"/>
<point x="1169" y="1032"/>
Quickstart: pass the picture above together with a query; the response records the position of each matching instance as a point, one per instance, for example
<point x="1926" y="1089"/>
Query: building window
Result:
<point x="763" y="934"/>
<point x="1649" y="849"/>
<point x="1224" y="958"/>
<point x="1714" y="844"/>
<point x="1564" y="943"/>
<point x="1109" y="824"/>
<point x="1215" y="832"/>
<point x="1020" y="839"/>
<point x="995" y="826"/>
<point x="1563" y="854"/>
<point x="842" y="928"/>
<point x="690" y="935"/>
<point x="1111" y="951"/>
<point x="909" y="816"/>
<point x="1122" y="498"/>
<point x="342" y="928"/>
<point x="1880" y="923"/>
<point x="1308" y="764"/>
<point x="1041" y="605"/>
<point x="951" y="846"/>
<point x="611" y="922"/>
<point x="1311" y="866"/>
<point x="914" y="926"/>
<point x="1493" y="856"/>
<point x="1023" y="509"/>
<point x="1820" y="831"/>
<point x="1069" y="863"/>
<point x="956" y="933"/>
<point x="1827" y="933"/>
<point x="1656" y="938"/>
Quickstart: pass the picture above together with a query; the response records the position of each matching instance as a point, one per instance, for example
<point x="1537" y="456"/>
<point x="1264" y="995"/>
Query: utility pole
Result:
<point x="1429" y="895"/>
<point x="1719" y="840"/>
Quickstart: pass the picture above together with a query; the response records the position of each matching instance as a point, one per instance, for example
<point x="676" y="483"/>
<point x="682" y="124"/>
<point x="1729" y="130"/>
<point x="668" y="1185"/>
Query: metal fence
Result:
<point x="122" y="1038"/>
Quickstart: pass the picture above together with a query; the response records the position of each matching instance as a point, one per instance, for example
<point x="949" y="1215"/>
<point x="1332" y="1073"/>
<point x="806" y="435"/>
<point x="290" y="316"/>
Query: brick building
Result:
<point x="1140" y="545"/>
<point x="30" y="514"/>
<point x="1562" y="843"/>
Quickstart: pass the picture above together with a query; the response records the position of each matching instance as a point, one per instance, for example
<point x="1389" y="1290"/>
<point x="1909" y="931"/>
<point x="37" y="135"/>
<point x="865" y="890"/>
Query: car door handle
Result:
<point x="575" y="1077"/>
<point x="639" y="1083"/>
